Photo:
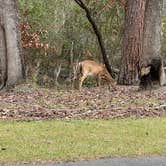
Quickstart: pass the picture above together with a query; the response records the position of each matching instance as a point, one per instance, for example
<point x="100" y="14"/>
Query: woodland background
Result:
<point x="55" y="35"/>
<point x="44" y="118"/>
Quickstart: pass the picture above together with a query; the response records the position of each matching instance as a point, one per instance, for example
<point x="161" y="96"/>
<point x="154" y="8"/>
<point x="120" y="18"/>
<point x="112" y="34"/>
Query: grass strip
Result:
<point x="77" y="140"/>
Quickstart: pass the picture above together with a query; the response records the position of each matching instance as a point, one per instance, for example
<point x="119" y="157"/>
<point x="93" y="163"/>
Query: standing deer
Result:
<point x="91" y="68"/>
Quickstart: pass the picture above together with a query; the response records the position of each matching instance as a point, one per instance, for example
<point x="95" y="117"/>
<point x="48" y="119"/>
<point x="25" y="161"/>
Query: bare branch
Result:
<point x="98" y="34"/>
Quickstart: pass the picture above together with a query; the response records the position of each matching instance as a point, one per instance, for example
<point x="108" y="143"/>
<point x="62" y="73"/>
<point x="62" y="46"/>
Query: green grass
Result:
<point x="75" y="140"/>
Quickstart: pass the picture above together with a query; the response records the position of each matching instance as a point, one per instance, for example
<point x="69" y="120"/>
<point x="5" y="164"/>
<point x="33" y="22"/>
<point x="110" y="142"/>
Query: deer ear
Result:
<point x="148" y="68"/>
<point x="145" y="70"/>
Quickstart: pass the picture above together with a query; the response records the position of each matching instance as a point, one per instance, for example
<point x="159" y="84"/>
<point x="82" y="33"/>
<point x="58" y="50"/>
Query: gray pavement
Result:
<point x="142" y="161"/>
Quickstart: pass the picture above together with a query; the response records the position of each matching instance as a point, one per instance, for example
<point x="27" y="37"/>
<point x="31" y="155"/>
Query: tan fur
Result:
<point x="91" y="68"/>
<point x="145" y="70"/>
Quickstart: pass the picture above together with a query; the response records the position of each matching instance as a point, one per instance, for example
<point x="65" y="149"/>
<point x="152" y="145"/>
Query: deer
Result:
<point x="91" y="68"/>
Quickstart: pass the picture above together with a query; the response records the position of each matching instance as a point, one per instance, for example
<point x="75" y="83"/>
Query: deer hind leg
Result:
<point x="81" y="80"/>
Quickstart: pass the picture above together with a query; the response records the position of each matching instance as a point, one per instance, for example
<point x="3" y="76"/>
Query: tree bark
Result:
<point x="11" y="60"/>
<point x="3" y="52"/>
<point x="152" y="30"/>
<point x="132" y="41"/>
<point x="151" y="44"/>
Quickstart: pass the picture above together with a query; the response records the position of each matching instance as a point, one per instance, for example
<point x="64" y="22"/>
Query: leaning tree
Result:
<point x="11" y="60"/>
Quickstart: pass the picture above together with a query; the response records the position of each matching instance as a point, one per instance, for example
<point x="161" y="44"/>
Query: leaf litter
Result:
<point x="25" y="102"/>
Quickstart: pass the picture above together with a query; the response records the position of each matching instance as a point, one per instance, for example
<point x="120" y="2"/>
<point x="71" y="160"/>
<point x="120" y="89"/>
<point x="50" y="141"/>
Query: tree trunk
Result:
<point x="11" y="61"/>
<point x="3" y="64"/>
<point x="151" y="47"/>
<point x="132" y="41"/>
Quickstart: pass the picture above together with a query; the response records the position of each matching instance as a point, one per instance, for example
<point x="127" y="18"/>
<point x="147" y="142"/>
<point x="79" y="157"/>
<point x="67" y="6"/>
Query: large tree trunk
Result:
<point x="151" y="47"/>
<point x="3" y="52"/>
<point x="132" y="41"/>
<point x="11" y="69"/>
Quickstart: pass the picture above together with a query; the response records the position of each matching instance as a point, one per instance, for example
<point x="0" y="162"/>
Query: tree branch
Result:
<point x="98" y="34"/>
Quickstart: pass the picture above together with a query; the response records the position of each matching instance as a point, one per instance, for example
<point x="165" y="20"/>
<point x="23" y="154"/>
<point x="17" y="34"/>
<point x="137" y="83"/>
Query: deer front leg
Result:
<point x="112" y="83"/>
<point x="98" y="80"/>
<point x="110" y="87"/>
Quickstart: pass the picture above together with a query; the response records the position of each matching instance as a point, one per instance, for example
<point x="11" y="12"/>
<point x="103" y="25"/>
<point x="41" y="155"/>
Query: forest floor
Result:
<point x="26" y="102"/>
